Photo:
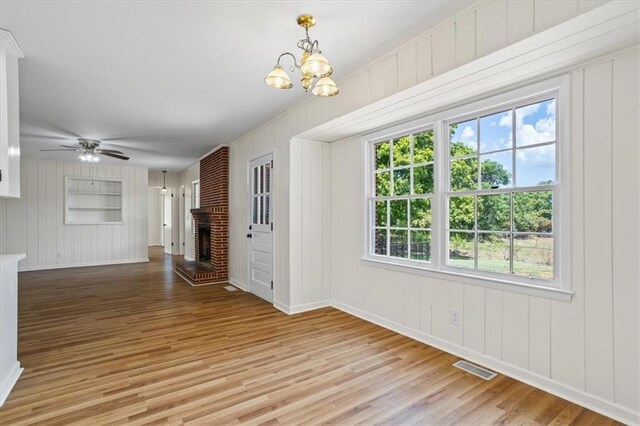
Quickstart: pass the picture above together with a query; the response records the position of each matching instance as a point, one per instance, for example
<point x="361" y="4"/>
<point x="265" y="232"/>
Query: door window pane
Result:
<point x="255" y="180"/>
<point x="267" y="177"/>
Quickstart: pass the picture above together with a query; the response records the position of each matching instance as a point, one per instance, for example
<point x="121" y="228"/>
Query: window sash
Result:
<point x="441" y="191"/>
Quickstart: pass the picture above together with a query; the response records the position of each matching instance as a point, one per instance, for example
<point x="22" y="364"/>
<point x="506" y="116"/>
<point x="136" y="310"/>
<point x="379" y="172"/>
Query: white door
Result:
<point x="166" y="222"/>
<point x="260" y="233"/>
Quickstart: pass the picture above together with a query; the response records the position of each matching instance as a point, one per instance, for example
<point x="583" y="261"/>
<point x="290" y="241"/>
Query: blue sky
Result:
<point x="535" y="124"/>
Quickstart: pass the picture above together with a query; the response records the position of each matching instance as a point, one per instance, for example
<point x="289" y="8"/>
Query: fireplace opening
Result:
<point x="204" y="242"/>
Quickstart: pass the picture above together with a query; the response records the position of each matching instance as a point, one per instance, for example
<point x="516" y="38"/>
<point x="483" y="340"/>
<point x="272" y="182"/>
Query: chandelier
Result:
<point x="312" y="65"/>
<point x="89" y="150"/>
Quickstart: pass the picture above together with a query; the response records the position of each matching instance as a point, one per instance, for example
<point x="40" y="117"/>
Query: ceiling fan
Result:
<point x="89" y="150"/>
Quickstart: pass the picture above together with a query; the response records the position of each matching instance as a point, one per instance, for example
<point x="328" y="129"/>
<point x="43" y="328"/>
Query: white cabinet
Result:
<point x="92" y="201"/>
<point x="10" y="368"/>
<point x="9" y="116"/>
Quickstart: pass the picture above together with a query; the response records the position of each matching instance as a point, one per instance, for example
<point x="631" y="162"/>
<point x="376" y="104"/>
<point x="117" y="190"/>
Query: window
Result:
<point x="402" y="201"/>
<point x="474" y="191"/>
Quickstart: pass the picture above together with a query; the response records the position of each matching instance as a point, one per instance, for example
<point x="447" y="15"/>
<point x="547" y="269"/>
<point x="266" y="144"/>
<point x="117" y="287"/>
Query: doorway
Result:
<point x="167" y="240"/>
<point x="260" y="235"/>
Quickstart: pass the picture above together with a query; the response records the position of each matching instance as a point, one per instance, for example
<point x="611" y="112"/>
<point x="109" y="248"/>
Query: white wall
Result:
<point x="34" y="223"/>
<point x="155" y="217"/>
<point x="185" y="179"/>
<point x="474" y="32"/>
<point x="590" y="344"/>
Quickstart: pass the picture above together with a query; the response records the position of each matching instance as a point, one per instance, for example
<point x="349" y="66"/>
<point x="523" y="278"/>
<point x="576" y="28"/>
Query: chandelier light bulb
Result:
<point x="325" y="87"/>
<point x="278" y="79"/>
<point x="317" y="65"/>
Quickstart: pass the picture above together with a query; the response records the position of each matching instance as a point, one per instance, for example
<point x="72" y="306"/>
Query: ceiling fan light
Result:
<point x="164" y="189"/>
<point x="317" y="65"/>
<point x="325" y="87"/>
<point x="278" y="79"/>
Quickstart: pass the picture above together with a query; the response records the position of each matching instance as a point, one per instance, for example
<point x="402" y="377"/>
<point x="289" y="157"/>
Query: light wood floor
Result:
<point x="135" y="344"/>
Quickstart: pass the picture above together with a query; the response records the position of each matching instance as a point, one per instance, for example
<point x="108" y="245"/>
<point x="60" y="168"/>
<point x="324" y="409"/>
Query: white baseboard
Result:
<point x="9" y="381"/>
<point x="297" y="309"/>
<point x="584" y="399"/>
<point x="238" y="284"/>
<point x="82" y="265"/>
<point x="189" y="258"/>
<point x="546" y="384"/>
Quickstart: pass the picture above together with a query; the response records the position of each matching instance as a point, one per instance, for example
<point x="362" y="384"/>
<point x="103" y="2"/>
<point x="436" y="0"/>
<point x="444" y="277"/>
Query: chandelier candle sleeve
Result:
<point x="313" y="64"/>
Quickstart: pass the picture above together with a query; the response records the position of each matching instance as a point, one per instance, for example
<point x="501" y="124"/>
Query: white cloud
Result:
<point x="467" y="134"/>
<point x="540" y="156"/>
<point x="505" y="120"/>
<point x="544" y="130"/>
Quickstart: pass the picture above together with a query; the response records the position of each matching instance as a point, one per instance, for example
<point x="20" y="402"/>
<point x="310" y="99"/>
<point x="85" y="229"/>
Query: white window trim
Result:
<point x="560" y="287"/>
<point x="194" y="205"/>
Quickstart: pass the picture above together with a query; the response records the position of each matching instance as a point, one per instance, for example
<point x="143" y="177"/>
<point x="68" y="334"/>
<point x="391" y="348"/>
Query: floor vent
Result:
<point x="476" y="370"/>
<point x="230" y="288"/>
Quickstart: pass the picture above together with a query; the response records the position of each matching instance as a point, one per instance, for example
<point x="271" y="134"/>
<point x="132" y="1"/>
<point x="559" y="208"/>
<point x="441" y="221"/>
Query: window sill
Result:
<point x="511" y="286"/>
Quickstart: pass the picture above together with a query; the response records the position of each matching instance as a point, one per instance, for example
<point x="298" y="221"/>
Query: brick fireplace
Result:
<point x="211" y="222"/>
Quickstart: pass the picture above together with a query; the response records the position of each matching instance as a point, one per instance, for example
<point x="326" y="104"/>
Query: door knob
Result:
<point x="249" y="235"/>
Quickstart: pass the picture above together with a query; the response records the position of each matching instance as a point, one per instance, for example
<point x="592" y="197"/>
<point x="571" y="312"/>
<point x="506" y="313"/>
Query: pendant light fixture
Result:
<point x="312" y="65"/>
<point x="164" y="182"/>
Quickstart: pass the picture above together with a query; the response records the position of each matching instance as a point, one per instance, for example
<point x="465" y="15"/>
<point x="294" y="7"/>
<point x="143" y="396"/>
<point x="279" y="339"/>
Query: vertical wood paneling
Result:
<point x="466" y="39"/>
<point x="598" y="228"/>
<point x="493" y="323"/>
<point x="426" y="305"/>
<point x="423" y="58"/>
<point x="474" y="317"/>
<point x="567" y="320"/>
<point x="407" y="66"/>
<point x="587" y="5"/>
<point x="443" y="49"/>
<point x="519" y="20"/>
<point x="540" y="336"/>
<point x="491" y="27"/>
<point x="35" y="222"/>
<point x="550" y="12"/>
<point x="515" y="329"/>
<point x="625" y="230"/>
<point x="391" y="75"/>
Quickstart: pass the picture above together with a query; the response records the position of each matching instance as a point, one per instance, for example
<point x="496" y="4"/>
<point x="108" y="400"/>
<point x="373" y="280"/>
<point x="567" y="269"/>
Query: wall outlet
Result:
<point x="454" y="317"/>
<point x="60" y="254"/>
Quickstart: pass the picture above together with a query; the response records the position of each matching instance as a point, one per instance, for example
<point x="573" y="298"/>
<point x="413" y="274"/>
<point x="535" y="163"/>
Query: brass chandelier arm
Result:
<point x="295" y="61"/>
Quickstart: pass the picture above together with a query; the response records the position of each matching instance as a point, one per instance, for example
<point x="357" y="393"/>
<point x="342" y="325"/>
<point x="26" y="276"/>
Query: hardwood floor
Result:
<point x="135" y="344"/>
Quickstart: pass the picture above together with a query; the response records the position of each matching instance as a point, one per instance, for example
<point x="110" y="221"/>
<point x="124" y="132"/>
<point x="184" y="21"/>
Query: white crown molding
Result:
<point x="7" y="35"/>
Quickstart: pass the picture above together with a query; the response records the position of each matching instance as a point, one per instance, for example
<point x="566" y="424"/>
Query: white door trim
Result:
<point x="272" y="154"/>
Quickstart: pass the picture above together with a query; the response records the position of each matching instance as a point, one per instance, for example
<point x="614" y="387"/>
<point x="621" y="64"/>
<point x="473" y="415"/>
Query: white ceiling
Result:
<point x="165" y="82"/>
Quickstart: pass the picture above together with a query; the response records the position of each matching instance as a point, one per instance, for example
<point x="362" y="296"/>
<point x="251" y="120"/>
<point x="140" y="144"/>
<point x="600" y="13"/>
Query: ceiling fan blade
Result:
<point x="64" y="149"/>
<point x="70" y="146"/>
<point x="111" y="151"/>
<point x="118" y="156"/>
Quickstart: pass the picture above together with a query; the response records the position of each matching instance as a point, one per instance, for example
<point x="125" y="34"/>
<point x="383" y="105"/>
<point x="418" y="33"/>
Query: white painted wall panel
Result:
<point x="491" y="27"/>
<point x="34" y="223"/>
<point x="465" y="35"/>
<point x="520" y="20"/>
<point x="625" y="230"/>
<point x="598" y="228"/>
<point x="552" y="12"/>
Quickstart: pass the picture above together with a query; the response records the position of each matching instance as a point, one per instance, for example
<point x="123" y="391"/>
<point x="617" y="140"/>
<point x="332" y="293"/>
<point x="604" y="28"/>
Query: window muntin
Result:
<point x="503" y="223"/>
<point x="403" y="182"/>
<point x="495" y="203"/>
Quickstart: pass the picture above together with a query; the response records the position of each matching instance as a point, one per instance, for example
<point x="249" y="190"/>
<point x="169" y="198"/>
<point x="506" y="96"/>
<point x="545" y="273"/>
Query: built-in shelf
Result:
<point x="93" y="201"/>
